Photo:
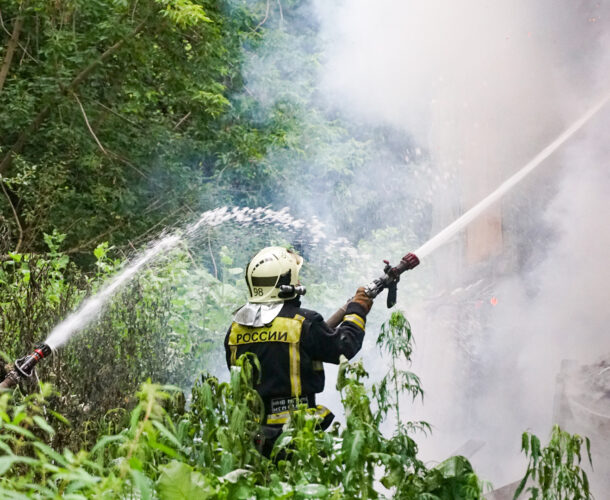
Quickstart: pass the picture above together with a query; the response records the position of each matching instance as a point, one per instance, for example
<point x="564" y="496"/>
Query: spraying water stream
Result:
<point x="92" y="307"/>
<point x="446" y="234"/>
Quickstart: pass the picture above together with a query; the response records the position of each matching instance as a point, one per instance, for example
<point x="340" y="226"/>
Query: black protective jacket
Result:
<point x="291" y="350"/>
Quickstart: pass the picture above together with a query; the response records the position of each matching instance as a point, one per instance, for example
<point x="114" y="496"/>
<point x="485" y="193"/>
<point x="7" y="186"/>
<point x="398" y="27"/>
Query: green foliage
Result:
<point x="184" y="12"/>
<point x="396" y="340"/>
<point x="149" y="455"/>
<point x="166" y="324"/>
<point x="114" y="113"/>
<point x="555" y="470"/>
<point x="36" y="292"/>
<point x="208" y="451"/>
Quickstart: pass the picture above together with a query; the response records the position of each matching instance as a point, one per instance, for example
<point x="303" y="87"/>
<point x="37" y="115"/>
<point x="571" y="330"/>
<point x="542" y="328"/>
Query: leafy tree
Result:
<point x="112" y="114"/>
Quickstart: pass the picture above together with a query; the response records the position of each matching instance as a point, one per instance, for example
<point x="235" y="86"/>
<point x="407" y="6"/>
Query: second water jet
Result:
<point x="455" y="227"/>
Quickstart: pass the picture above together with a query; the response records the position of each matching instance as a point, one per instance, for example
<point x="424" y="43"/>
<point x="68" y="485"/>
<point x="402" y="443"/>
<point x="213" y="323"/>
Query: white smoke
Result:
<point x="485" y="86"/>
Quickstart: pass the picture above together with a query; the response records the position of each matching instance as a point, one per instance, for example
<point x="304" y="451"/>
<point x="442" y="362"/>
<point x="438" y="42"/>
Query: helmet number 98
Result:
<point x="258" y="292"/>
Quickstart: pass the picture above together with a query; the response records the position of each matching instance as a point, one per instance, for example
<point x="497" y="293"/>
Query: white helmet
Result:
<point x="268" y="270"/>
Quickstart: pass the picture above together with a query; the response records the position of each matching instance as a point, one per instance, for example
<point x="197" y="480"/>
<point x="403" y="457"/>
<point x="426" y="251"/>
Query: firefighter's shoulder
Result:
<point x="310" y="315"/>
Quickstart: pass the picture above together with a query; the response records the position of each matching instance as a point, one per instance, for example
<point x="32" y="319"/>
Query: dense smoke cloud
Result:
<point x="484" y="86"/>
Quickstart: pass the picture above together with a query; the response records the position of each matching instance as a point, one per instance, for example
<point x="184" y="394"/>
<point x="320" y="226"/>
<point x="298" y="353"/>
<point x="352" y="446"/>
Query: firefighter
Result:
<point x="291" y="343"/>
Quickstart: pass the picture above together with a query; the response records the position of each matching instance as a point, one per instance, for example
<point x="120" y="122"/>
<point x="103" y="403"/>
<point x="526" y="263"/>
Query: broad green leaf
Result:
<point x="353" y="445"/>
<point x="312" y="490"/>
<point x="235" y="475"/>
<point x="178" y="481"/>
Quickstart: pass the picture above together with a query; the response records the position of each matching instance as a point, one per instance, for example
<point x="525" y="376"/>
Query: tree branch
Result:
<point x="189" y="254"/>
<point x="85" y="245"/>
<point x="10" y="49"/>
<point x="25" y="49"/>
<point x="118" y="115"/>
<point x="279" y="4"/>
<point x="212" y="255"/>
<point x="105" y="55"/>
<point x="14" y="215"/>
<point x="182" y="119"/>
<point x="78" y="79"/>
<point x="88" y="125"/>
<point x="265" y="18"/>
<point x="125" y="161"/>
<point x="18" y="146"/>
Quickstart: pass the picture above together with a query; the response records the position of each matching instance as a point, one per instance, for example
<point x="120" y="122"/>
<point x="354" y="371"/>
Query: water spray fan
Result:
<point x="24" y="367"/>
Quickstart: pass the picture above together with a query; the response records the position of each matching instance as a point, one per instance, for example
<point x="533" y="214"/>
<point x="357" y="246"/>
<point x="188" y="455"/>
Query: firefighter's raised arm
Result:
<point x="327" y="344"/>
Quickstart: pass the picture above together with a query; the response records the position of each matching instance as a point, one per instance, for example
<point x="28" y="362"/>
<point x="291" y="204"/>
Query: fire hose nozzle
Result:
<point x="24" y="367"/>
<point x="410" y="261"/>
<point x="389" y="280"/>
<point x="391" y="277"/>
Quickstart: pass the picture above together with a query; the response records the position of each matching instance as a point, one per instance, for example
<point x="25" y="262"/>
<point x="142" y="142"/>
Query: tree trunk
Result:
<point x="10" y="50"/>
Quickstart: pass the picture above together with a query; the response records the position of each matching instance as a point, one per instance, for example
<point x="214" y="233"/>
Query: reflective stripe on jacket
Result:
<point x="292" y="348"/>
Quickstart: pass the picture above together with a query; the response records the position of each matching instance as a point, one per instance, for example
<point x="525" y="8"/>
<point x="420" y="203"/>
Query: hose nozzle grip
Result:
<point x="25" y="366"/>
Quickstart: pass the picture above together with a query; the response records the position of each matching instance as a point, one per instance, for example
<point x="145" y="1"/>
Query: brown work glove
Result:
<point x="363" y="299"/>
